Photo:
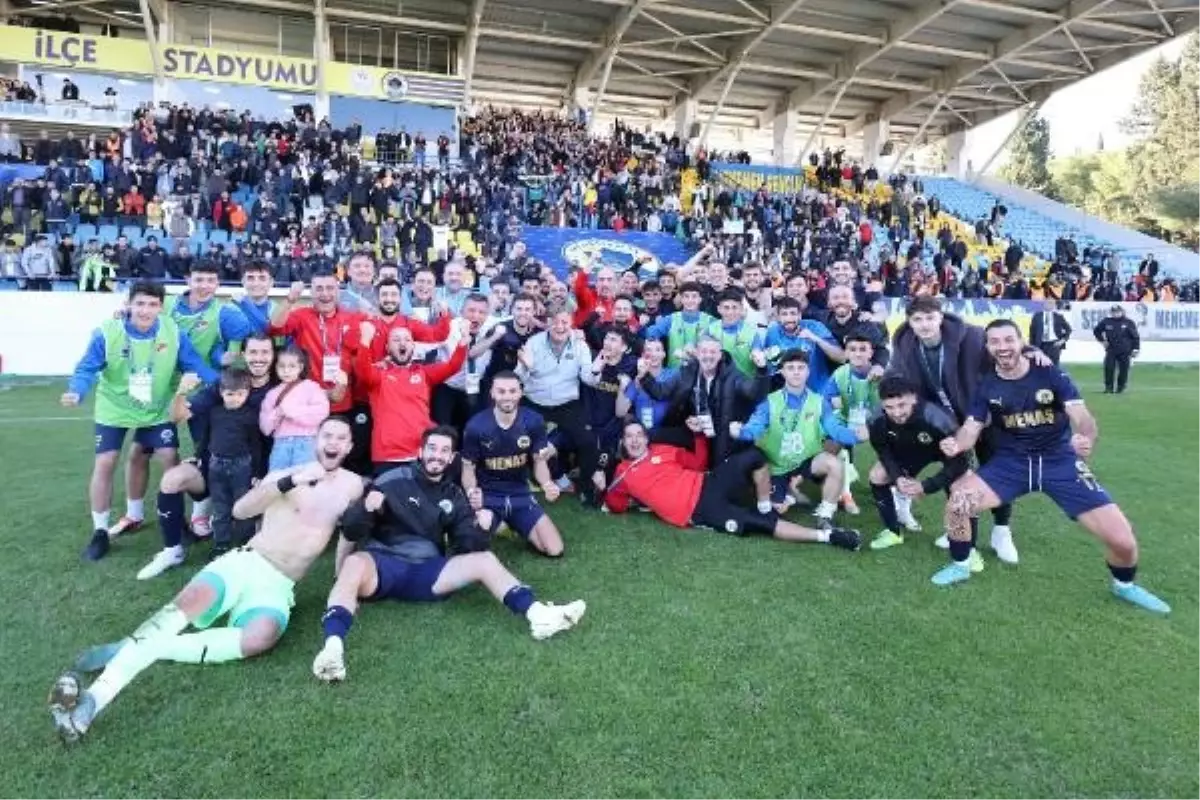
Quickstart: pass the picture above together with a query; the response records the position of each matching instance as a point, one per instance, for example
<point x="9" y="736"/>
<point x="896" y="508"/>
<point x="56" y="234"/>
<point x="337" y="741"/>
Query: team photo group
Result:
<point x="410" y="420"/>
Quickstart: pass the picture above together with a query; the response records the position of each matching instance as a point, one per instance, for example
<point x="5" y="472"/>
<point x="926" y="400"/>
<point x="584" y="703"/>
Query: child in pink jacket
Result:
<point x="292" y="411"/>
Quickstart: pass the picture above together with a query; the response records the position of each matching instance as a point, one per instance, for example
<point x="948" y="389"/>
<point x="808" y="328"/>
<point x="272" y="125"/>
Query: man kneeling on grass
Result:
<point x="400" y="528"/>
<point x="254" y="585"/>
<point x="672" y="483"/>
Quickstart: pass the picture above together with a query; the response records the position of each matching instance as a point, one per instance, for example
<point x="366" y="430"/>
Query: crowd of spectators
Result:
<point x="303" y="196"/>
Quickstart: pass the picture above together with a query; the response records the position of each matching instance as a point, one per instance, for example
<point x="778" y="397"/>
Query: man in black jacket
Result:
<point x="945" y="356"/>
<point x="711" y="388"/>
<point x="905" y="437"/>
<point x="1049" y="331"/>
<point x="1119" y="335"/>
<point x="400" y="528"/>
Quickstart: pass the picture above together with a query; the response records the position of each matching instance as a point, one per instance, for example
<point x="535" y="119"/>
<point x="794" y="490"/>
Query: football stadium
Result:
<point x="605" y="398"/>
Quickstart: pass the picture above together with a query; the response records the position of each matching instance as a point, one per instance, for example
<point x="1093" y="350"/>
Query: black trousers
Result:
<point x="1053" y="351"/>
<point x="228" y="480"/>
<point x="1118" y="364"/>
<point x="571" y="420"/>
<point x="359" y="460"/>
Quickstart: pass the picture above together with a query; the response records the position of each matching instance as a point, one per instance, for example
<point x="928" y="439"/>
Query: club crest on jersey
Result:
<point x="160" y="347"/>
<point x="361" y="419"/>
<point x="523" y="442"/>
<point x="446" y="506"/>
<point x="1044" y="396"/>
<point x="167" y="436"/>
<point x="924" y="438"/>
<point x="415" y="378"/>
<point x="656" y="460"/>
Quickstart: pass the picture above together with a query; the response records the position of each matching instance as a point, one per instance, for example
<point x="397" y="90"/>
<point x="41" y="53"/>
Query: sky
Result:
<point x="1080" y="113"/>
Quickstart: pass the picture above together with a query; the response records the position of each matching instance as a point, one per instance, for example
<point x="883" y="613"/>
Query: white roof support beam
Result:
<point x="470" y="47"/>
<point x="1099" y="23"/>
<point x="741" y="51"/>
<point x="152" y="38"/>
<point x="671" y="29"/>
<point x="863" y="56"/>
<point x="1008" y="49"/>
<point x="717" y="108"/>
<point x="676" y="85"/>
<point x="803" y="151"/>
<point x="610" y="42"/>
<point x="916" y="137"/>
<point x="1162" y="20"/>
<point x="1087" y="62"/>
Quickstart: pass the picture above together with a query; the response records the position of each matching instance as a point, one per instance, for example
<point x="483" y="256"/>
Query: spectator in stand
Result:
<point x="39" y="265"/>
<point x="70" y="91"/>
<point x="10" y="145"/>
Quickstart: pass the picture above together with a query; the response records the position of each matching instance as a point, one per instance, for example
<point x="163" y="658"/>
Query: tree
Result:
<point x="1028" y="163"/>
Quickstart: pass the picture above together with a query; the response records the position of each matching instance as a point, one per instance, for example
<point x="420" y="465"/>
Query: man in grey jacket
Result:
<point x="39" y="263"/>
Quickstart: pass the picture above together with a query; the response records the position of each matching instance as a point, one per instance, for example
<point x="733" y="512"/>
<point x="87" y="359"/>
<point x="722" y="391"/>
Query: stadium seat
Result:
<point x="108" y="233"/>
<point x="131" y="231"/>
<point x="218" y="236"/>
<point x="85" y="231"/>
<point x="157" y="233"/>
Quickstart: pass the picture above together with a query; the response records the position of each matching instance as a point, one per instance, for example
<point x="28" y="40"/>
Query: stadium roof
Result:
<point x="928" y="65"/>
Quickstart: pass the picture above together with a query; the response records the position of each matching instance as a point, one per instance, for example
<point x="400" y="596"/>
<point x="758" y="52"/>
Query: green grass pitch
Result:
<point x="705" y="666"/>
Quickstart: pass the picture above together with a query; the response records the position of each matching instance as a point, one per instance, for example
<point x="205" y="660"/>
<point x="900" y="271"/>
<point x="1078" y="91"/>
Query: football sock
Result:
<point x="960" y="551"/>
<point x="201" y="507"/>
<point x="213" y="646"/>
<point x="518" y="599"/>
<point x="170" y="518"/>
<point x="167" y="621"/>
<point x="1123" y="574"/>
<point x="337" y="622"/>
<point x="126" y="665"/>
<point x="974" y="531"/>
<point x="135" y="509"/>
<point x="101" y="520"/>
<point x="1002" y="514"/>
<point x="822" y="536"/>
<point x="886" y="505"/>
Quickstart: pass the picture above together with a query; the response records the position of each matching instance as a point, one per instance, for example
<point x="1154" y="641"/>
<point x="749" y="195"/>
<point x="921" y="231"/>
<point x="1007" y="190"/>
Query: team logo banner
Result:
<point x="561" y="247"/>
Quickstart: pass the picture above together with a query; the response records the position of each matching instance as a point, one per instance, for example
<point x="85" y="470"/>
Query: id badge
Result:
<point x="793" y="444"/>
<point x="473" y="379"/>
<point x="330" y="367"/>
<point x="647" y="417"/>
<point x="858" y="416"/>
<point x="141" y="387"/>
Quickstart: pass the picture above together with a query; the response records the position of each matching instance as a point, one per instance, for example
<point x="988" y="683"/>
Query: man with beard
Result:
<point x="400" y="528"/>
<point x="624" y="322"/>
<point x="946" y="356"/>
<point x="844" y="319"/>
<point x="1044" y="436"/>
<point x="399" y="390"/>
<point x="516" y="333"/>
<point x="672" y="482"/>
<point x="792" y="332"/>
<point x="758" y="295"/>
<point x="191" y="475"/>
<point x="905" y="437"/>
<point x="500" y="446"/>
<point x="254" y="585"/>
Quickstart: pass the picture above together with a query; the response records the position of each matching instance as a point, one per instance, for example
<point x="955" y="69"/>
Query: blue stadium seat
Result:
<point x="85" y="231"/>
<point x="108" y="233"/>
<point x="157" y="233"/>
<point x="219" y="236"/>
<point x="131" y="231"/>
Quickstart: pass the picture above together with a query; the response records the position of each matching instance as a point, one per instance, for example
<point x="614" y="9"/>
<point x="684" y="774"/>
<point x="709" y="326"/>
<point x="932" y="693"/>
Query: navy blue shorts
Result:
<point x="780" y="483"/>
<point x="1066" y="480"/>
<point x="156" y="437"/>
<point x="399" y="579"/>
<point x="521" y="512"/>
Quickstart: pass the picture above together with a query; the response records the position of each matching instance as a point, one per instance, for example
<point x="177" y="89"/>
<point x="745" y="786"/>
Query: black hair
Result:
<point x="896" y="386"/>
<point x="794" y="354"/>
<point x="858" y="336"/>
<point x="527" y="298"/>
<point x="506" y="375"/>
<point x="448" y="431"/>
<point x="388" y="282"/>
<point x="256" y="266"/>
<point x="235" y="379"/>
<point x="475" y="297"/>
<point x="651" y="286"/>
<point x="204" y="266"/>
<point x="996" y="324"/>
<point x="923" y="305"/>
<point x="335" y="418"/>
<point x="690" y="286"/>
<point x="787" y="302"/>
<point x="732" y="294"/>
<point x="292" y="350"/>
<point x="149" y="289"/>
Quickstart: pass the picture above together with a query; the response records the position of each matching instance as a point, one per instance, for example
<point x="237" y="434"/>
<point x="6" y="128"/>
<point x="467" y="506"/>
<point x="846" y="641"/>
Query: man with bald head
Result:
<point x="598" y="300"/>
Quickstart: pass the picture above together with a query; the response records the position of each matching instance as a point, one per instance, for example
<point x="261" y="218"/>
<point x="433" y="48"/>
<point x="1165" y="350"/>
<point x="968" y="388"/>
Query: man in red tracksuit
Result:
<point x="326" y="334"/>
<point x="599" y="300"/>
<point x="388" y="319"/>
<point x="399" y="390"/>
<point x="672" y="483"/>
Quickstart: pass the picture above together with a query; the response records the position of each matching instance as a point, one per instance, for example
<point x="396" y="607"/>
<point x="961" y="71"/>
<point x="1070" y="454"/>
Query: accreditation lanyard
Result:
<point x="331" y="359"/>
<point x="791" y="421"/>
<point x="141" y="376"/>
<point x="935" y="377"/>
